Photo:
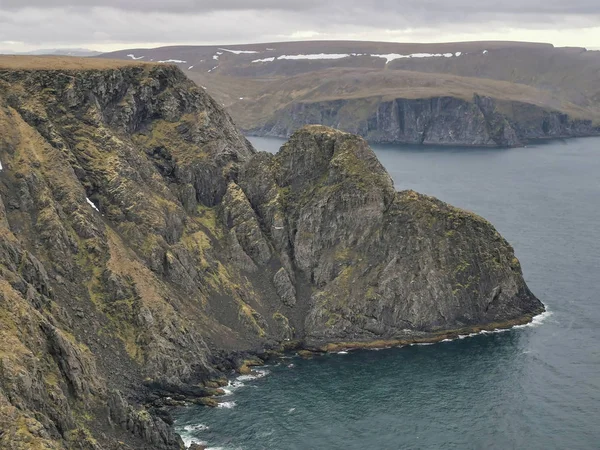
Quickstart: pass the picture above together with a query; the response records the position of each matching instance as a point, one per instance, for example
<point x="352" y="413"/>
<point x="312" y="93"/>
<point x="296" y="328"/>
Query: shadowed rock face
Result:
<point x="197" y="251"/>
<point x="381" y="264"/>
<point x="484" y="121"/>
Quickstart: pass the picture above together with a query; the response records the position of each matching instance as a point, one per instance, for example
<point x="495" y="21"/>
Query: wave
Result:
<point x="189" y="440"/>
<point x="199" y="427"/>
<point x="223" y="448"/>
<point x="255" y="375"/>
<point x="226" y="405"/>
<point x="537" y="320"/>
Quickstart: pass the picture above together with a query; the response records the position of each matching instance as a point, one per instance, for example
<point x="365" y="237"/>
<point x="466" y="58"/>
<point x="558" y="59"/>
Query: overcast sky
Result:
<point x="107" y="25"/>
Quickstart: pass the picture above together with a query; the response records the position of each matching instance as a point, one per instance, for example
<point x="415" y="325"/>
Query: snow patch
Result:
<point x="264" y="60"/>
<point x="190" y="68"/>
<point x="241" y="98"/>
<point x="92" y="204"/>
<point x="485" y="51"/>
<point x="393" y="56"/>
<point x="0" y="167"/>
<point x="316" y="56"/>
<point x="270" y="49"/>
<point x="239" y="52"/>
<point x="212" y="69"/>
<point x="216" y="57"/>
<point x="176" y="61"/>
<point x="134" y="58"/>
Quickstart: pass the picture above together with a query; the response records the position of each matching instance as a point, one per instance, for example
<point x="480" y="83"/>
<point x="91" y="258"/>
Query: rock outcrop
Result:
<point x="482" y="121"/>
<point x="146" y="249"/>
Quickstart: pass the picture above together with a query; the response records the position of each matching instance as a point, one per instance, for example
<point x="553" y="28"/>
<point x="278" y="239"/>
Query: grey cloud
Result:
<point x="390" y="6"/>
<point x="173" y="6"/>
<point x="110" y="22"/>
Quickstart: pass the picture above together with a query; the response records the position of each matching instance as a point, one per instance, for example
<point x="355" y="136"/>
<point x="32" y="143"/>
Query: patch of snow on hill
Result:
<point x="134" y="58"/>
<point x="485" y="51"/>
<point x="239" y="52"/>
<point x="212" y="69"/>
<point x="264" y="60"/>
<point x="316" y="56"/>
<point x="393" y="56"/>
<point x="190" y="68"/>
<point x="270" y="49"/>
<point x="176" y="61"/>
<point x="216" y="57"/>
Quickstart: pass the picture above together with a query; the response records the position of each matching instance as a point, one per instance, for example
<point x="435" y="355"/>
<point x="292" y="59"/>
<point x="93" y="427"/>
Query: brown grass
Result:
<point x="264" y="96"/>
<point x="62" y="63"/>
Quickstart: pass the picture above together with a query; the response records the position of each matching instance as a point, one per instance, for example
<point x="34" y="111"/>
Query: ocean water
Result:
<point x="534" y="387"/>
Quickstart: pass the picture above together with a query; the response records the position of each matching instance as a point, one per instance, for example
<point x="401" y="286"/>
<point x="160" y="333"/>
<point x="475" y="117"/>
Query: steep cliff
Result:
<point x="482" y="121"/>
<point x="147" y="249"/>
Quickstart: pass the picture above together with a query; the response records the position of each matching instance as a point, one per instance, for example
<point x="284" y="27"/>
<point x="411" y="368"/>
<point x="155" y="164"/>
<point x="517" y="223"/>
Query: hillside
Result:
<point x="538" y="91"/>
<point x="147" y="251"/>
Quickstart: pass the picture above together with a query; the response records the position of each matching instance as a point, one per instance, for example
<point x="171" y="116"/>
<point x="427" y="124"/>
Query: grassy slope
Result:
<point x="262" y="97"/>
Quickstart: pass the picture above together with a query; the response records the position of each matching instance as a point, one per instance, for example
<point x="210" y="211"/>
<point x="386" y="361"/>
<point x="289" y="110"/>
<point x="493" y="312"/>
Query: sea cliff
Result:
<point x="147" y="250"/>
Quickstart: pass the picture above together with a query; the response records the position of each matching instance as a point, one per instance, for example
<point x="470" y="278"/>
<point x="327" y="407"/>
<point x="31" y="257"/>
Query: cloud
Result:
<point x="109" y="24"/>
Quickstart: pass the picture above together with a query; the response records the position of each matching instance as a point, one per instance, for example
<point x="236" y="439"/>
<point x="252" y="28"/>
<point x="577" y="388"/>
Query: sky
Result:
<point x="107" y="25"/>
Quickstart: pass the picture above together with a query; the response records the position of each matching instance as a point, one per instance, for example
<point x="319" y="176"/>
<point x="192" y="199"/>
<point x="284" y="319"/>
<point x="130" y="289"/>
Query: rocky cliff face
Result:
<point x="482" y="121"/>
<point x="146" y="246"/>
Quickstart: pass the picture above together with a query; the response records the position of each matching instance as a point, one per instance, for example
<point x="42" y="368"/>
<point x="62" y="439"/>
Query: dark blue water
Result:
<point x="535" y="387"/>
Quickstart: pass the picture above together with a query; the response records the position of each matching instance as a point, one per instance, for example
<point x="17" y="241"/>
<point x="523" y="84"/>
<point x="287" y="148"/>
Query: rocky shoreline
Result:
<point x="438" y="121"/>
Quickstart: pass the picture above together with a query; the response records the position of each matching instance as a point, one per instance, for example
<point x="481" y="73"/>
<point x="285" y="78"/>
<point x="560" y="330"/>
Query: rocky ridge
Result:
<point x="147" y="250"/>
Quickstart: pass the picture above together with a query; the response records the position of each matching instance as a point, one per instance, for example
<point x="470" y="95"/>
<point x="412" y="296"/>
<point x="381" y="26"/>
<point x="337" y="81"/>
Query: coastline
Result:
<point x="524" y="144"/>
<point x="308" y="352"/>
<point x="431" y="338"/>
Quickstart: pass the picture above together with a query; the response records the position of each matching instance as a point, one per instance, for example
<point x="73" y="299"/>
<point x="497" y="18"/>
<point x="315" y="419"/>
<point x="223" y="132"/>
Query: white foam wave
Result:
<point x="199" y="427"/>
<point x="537" y="320"/>
<point x="227" y="391"/>
<point x="255" y="375"/>
<point x="189" y="440"/>
<point x="226" y="405"/>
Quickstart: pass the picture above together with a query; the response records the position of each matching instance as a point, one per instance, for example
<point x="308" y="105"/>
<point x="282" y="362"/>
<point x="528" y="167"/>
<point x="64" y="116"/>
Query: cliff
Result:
<point x="147" y="249"/>
<point x="444" y="120"/>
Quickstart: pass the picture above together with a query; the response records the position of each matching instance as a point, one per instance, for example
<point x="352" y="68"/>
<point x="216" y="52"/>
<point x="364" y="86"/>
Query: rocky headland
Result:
<point x="147" y="251"/>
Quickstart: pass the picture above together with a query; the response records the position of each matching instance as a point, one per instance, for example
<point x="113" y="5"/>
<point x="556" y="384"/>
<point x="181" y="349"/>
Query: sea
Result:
<point x="533" y="387"/>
